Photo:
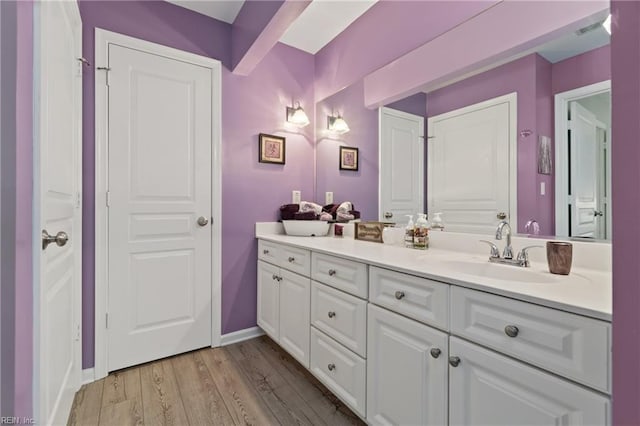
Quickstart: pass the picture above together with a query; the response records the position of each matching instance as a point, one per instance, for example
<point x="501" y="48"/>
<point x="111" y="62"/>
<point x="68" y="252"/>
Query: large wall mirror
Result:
<point x="527" y="140"/>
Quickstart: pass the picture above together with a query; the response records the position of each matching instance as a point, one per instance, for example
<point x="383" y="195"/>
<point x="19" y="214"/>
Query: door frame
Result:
<point x="512" y="100"/>
<point x="561" y="116"/>
<point x="40" y="80"/>
<point x="399" y="114"/>
<point x="103" y="39"/>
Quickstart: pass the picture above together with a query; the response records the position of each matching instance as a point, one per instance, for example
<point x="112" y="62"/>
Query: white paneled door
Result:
<point x="159" y="207"/>
<point x="472" y="165"/>
<point x="59" y="109"/>
<point x="401" y="165"/>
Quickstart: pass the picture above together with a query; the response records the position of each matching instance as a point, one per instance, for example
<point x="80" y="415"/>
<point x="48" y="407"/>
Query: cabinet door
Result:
<point x="295" y="303"/>
<point x="268" y="298"/>
<point x="406" y="383"/>
<point x="487" y="388"/>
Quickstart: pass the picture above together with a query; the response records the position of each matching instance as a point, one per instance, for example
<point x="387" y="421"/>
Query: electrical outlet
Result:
<point x="328" y="198"/>
<point x="295" y="197"/>
<point x="543" y="188"/>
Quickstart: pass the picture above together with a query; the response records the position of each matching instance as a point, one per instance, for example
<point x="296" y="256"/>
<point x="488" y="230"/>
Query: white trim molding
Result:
<point x="88" y="375"/>
<point x="103" y="39"/>
<point x="561" y="117"/>
<point x="241" y="335"/>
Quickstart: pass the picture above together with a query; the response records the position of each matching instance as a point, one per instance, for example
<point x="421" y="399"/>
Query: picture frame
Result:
<point x="349" y="158"/>
<point x="272" y="149"/>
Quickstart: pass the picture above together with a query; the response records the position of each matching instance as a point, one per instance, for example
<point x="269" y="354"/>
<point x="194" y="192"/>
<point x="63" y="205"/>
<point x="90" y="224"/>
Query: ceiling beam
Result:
<point x="258" y="27"/>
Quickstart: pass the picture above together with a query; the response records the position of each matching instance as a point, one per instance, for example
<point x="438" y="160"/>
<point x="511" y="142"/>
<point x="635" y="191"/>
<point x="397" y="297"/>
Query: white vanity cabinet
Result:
<point x="486" y="388"/>
<point x="284" y="297"/>
<point x="407" y="371"/>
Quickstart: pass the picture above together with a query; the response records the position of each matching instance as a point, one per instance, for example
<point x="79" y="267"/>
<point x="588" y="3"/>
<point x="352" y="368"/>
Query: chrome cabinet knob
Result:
<point x="454" y="361"/>
<point x="331" y="314"/>
<point x="203" y="221"/>
<point x="331" y="367"/>
<point x="435" y="352"/>
<point x="511" y="331"/>
<point x="60" y="239"/>
<point x="265" y="251"/>
<point x="332" y="272"/>
<point x="388" y="215"/>
<point x="291" y="259"/>
<point x="399" y="295"/>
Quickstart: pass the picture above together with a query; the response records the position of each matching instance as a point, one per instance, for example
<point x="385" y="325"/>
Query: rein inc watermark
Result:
<point x="17" y="421"/>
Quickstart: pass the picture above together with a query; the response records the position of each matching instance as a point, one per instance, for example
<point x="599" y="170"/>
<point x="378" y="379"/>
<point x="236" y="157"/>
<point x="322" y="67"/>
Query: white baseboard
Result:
<point x="240" y="335"/>
<point x="88" y="375"/>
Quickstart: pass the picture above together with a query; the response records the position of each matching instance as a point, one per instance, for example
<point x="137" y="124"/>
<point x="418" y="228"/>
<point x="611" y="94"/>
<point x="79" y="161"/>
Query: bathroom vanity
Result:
<point x="440" y="336"/>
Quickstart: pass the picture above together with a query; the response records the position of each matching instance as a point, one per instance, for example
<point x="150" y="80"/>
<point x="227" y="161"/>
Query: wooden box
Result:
<point x="370" y="231"/>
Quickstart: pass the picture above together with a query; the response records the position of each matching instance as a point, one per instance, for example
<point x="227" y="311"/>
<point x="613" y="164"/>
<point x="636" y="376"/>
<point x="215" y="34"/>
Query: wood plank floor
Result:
<point x="249" y="383"/>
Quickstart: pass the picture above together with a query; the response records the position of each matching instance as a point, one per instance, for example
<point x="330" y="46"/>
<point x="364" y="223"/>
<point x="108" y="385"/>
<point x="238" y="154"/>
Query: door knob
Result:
<point x="598" y="213"/>
<point x="203" y="221"/>
<point x="60" y="239"/>
<point x="501" y="215"/>
<point x="388" y="215"/>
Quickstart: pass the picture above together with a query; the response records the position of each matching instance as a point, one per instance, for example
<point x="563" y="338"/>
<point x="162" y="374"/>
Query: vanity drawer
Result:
<point x="421" y="299"/>
<point x="295" y="259"/>
<point x="570" y="345"/>
<point x="341" y="316"/>
<point x="342" y="274"/>
<point x="291" y="258"/>
<point x="342" y="371"/>
<point x="269" y="252"/>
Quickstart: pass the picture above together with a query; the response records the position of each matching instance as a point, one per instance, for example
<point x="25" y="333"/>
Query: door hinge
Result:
<point x="106" y="320"/>
<point x="78" y="200"/>
<point x="108" y="198"/>
<point x="77" y="332"/>
<point x="569" y="124"/>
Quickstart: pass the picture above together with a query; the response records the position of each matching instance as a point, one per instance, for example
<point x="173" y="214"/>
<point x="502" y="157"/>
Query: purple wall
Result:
<point x="251" y="192"/>
<point x="361" y="187"/>
<point x="625" y="69"/>
<point x="414" y="104"/>
<point x="24" y="188"/>
<point x="519" y="76"/>
<point x="581" y="70"/>
<point x="386" y="31"/>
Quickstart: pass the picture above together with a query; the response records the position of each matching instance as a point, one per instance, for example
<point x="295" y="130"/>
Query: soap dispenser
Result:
<point x="408" y="232"/>
<point x="436" y="222"/>
<point x="421" y="233"/>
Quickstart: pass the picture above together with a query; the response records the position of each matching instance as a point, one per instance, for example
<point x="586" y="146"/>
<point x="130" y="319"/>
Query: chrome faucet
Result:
<point x="508" y="251"/>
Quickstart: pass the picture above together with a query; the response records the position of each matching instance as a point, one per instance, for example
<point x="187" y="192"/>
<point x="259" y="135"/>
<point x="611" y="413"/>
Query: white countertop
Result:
<point x="585" y="291"/>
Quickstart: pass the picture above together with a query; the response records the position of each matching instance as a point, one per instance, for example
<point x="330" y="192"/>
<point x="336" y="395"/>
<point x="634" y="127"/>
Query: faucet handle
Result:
<point x="523" y="255"/>
<point x="495" y="252"/>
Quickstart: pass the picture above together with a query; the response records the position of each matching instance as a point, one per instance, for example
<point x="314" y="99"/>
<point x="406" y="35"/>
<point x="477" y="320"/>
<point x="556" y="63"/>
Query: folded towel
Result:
<point x="307" y="206"/>
<point x="287" y="211"/>
<point x="311" y="215"/>
<point x="325" y="216"/>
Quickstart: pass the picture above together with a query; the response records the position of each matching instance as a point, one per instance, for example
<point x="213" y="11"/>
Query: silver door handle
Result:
<point x="60" y="239"/>
<point x="388" y="215"/>
<point x="203" y="221"/>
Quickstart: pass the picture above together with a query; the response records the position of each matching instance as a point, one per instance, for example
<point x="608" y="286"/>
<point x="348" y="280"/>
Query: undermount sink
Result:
<point x="501" y="272"/>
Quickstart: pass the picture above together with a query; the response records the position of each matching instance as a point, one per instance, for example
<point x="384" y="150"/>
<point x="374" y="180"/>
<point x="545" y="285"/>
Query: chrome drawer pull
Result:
<point x="331" y="314"/>
<point x="454" y="361"/>
<point x="332" y="272"/>
<point x="291" y="259"/>
<point x="511" y="330"/>
<point x="399" y="295"/>
<point x="331" y="367"/>
<point x="435" y="352"/>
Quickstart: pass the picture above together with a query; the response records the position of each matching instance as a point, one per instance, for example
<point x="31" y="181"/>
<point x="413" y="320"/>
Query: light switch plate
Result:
<point x="295" y="197"/>
<point x="328" y="198"/>
<point x="543" y="188"/>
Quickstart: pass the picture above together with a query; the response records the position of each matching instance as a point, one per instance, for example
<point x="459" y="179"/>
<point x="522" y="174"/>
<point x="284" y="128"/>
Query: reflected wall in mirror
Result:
<point x="481" y="153"/>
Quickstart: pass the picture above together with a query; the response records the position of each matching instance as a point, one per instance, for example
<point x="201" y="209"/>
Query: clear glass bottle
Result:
<point x="421" y="233"/>
<point x="408" y="232"/>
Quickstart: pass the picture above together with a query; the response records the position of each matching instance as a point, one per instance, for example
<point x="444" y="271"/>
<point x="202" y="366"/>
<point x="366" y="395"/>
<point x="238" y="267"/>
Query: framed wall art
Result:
<point x="272" y="149"/>
<point x="349" y="158"/>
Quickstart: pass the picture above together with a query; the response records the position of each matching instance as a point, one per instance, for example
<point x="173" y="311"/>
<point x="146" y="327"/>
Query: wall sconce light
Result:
<point x="337" y="124"/>
<point x="297" y="116"/>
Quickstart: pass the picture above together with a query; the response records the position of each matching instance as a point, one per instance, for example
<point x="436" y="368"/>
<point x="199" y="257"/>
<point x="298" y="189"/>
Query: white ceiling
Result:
<point x="320" y="22"/>
<point x="223" y="10"/>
